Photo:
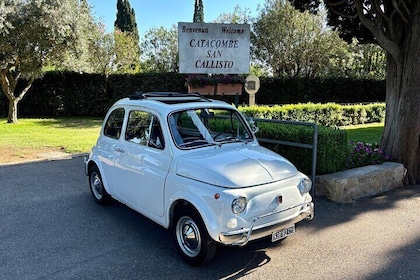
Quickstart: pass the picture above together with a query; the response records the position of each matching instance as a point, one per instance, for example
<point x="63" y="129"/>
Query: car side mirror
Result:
<point x="253" y="125"/>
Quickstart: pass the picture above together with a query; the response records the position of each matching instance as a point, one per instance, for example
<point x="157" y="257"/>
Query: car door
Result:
<point x="142" y="166"/>
<point x="109" y="144"/>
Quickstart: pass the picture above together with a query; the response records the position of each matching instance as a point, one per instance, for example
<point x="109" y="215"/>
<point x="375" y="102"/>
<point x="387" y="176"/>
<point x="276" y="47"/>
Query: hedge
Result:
<point x="338" y="90"/>
<point x="329" y="114"/>
<point x="76" y="94"/>
<point x="332" y="146"/>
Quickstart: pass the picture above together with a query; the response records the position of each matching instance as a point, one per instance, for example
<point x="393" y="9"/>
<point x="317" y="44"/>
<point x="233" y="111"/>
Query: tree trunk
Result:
<point x="8" y="84"/>
<point x="401" y="138"/>
<point x="12" y="115"/>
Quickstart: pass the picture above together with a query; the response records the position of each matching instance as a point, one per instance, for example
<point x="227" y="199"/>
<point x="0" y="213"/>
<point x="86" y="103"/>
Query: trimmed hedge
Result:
<point x="75" y="94"/>
<point x="329" y="114"/>
<point x="276" y="90"/>
<point x="332" y="146"/>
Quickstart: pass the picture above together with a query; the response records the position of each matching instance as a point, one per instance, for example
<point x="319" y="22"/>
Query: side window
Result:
<point x="144" y="128"/>
<point x="114" y="123"/>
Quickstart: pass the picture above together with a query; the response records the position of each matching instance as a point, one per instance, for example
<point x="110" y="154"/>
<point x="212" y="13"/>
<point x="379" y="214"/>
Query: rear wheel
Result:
<point x="97" y="188"/>
<point x="192" y="240"/>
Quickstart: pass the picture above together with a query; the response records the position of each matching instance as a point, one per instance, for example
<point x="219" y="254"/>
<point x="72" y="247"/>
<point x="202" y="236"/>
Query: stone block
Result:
<point x="349" y="185"/>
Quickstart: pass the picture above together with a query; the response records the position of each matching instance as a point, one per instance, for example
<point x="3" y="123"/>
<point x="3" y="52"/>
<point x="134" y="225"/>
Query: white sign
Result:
<point x="213" y="48"/>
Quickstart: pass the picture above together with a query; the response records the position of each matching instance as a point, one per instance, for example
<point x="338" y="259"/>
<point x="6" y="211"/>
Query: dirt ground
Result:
<point x="9" y="156"/>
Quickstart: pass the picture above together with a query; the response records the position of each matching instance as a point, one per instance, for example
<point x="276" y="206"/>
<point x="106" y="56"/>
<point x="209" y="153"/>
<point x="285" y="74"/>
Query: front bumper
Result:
<point x="86" y="161"/>
<point x="243" y="236"/>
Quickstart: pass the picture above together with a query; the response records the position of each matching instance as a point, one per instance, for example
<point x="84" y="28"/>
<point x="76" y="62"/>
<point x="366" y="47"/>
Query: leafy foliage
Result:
<point x="331" y="152"/>
<point x="160" y="50"/>
<point x="292" y="43"/>
<point x="126" y="19"/>
<point x="329" y="114"/>
<point x="32" y="36"/>
<point x="198" y="11"/>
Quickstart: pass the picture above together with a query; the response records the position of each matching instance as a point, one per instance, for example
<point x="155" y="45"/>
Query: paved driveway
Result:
<point x="50" y="228"/>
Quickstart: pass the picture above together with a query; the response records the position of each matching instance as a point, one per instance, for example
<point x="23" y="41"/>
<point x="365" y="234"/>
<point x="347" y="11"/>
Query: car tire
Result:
<point x="96" y="185"/>
<point x="191" y="238"/>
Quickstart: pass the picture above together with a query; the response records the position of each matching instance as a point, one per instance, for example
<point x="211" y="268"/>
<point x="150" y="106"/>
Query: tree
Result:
<point x="126" y="19"/>
<point x="103" y="54"/>
<point x="394" y="26"/>
<point x="198" y="11"/>
<point x="291" y="43"/>
<point x="79" y="58"/>
<point x="126" y="53"/>
<point x="7" y="8"/>
<point x="32" y="36"/>
<point x="238" y="16"/>
<point x="126" y="38"/>
<point x="160" y="50"/>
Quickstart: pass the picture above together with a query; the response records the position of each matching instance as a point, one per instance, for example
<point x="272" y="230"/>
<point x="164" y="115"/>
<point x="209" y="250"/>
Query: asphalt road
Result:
<point x="50" y="228"/>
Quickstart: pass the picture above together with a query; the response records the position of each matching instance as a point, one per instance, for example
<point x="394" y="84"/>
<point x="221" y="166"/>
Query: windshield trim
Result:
<point x="205" y="137"/>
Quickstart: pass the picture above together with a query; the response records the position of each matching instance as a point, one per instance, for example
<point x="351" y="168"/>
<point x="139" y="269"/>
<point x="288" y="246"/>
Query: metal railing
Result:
<point x="312" y="146"/>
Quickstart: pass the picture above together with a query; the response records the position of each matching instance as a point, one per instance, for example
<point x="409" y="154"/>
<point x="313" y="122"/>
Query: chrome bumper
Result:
<point x="86" y="161"/>
<point x="243" y="236"/>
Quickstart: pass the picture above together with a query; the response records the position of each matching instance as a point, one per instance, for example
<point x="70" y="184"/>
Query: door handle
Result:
<point x="119" y="150"/>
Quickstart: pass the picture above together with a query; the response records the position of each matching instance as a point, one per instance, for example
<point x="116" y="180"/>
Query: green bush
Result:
<point x="331" y="151"/>
<point x="328" y="114"/>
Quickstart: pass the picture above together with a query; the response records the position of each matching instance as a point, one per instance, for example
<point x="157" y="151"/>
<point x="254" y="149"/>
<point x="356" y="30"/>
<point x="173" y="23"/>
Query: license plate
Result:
<point x="277" y="235"/>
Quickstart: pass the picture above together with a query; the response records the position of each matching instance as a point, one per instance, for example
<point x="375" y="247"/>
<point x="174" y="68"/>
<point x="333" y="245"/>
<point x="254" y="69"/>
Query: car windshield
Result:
<point x="207" y="126"/>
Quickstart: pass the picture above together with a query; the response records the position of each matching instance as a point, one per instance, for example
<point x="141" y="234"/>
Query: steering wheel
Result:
<point x="230" y="131"/>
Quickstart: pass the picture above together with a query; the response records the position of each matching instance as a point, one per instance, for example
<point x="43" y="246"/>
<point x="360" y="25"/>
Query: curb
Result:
<point x="53" y="158"/>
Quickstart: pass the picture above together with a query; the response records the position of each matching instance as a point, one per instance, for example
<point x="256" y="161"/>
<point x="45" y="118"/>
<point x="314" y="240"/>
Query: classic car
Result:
<point x="194" y="165"/>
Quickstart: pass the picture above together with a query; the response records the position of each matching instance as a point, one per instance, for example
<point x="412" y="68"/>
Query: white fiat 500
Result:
<point x="194" y="165"/>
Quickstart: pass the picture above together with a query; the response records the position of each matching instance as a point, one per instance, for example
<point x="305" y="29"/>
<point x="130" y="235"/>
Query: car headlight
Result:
<point x="239" y="204"/>
<point x="305" y="185"/>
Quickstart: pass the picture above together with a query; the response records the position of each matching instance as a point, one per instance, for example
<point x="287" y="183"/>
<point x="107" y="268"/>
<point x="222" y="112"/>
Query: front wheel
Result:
<point x="192" y="240"/>
<point x="97" y="186"/>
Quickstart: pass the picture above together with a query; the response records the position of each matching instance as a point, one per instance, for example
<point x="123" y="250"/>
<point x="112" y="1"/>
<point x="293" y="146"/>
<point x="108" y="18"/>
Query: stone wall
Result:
<point x="349" y="185"/>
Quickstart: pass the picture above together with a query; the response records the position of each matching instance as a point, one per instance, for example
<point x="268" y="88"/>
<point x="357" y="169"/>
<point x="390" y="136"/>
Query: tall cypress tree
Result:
<point x="198" y="11"/>
<point x="126" y="18"/>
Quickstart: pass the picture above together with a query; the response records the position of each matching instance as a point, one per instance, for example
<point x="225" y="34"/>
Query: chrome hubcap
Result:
<point x="188" y="236"/>
<point x="96" y="184"/>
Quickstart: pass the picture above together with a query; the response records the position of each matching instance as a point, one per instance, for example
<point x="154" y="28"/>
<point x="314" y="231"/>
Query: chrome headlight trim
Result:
<point x="239" y="205"/>
<point x="305" y="185"/>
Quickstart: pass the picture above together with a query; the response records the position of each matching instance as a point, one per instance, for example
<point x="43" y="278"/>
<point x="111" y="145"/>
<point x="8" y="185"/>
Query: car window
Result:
<point x="207" y="126"/>
<point x="114" y="123"/>
<point x="144" y="128"/>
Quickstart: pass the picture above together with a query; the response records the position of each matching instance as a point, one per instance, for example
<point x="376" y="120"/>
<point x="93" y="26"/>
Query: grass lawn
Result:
<point x="367" y="133"/>
<point x="30" y="138"/>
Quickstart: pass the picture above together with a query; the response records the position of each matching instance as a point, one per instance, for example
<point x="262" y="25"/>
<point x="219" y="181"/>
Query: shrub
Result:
<point x="331" y="152"/>
<point x="328" y="114"/>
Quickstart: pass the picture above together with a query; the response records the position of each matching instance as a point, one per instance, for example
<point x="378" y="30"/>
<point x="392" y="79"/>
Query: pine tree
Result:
<point x="126" y="38"/>
<point x="198" y="11"/>
<point x="126" y="18"/>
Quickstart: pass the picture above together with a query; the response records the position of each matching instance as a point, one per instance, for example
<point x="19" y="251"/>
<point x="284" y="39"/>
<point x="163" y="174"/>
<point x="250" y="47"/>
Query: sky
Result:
<point x="157" y="13"/>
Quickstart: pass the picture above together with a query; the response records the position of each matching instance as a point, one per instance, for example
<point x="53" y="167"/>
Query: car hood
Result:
<point x="237" y="168"/>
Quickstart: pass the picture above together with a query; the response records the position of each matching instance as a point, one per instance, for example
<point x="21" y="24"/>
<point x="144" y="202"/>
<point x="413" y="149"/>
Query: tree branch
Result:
<point x="25" y="90"/>
<point x="378" y="10"/>
<point x="396" y="6"/>
<point x="391" y="47"/>
<point x="332" y="6"/>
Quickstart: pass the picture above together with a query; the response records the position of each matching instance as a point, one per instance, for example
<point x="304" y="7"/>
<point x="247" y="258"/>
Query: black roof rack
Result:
<point x="169" y="97"/>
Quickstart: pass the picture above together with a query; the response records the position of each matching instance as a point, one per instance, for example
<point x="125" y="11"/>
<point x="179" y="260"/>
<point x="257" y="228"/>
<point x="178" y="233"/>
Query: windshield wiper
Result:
<point x="197" y="141"/>
<point x="230" y="139"/>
